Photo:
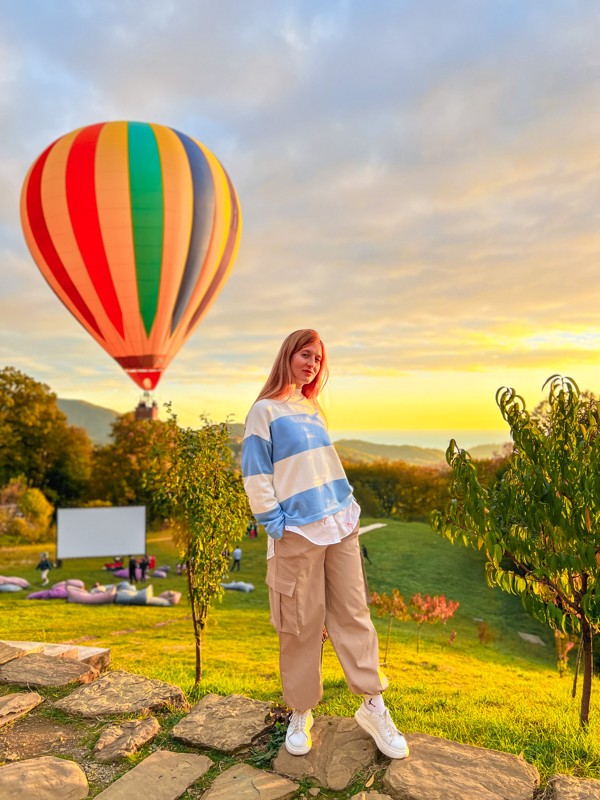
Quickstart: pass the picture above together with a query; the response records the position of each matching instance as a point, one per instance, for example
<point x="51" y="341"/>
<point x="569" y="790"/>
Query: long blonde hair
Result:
<point x="280" y="383"/>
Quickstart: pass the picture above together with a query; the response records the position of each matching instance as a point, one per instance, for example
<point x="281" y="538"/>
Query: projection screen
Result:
<point x="89" y="532"/>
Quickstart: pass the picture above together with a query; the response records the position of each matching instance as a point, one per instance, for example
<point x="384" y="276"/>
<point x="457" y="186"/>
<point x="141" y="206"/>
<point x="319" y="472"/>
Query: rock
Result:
<point x="370" y="796"/>
<point x="44" y="778"/>
<point x="10" y="651"/>
<point x="341" y="749"/>
<point x="16" y="705"/>
<point x="463" y="771"/>
<point x="314" y="792"/>
<point x="244" y="782"/>
<point x="38" y="669"/>
<point x="121" y="693"/>
<point x="122" y="741"/>
<point x="565" y="787"/>
<point x="224" y="723"/>
<point x="97" y="657"/>
<point x="162" y="776"/>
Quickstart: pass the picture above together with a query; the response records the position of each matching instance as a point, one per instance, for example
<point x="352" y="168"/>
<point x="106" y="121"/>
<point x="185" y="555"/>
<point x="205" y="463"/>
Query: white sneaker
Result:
<point x="297" y="739"/>
<point x="381" y="727"/>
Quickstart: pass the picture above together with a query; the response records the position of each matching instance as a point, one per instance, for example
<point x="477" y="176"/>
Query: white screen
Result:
<point x="88" y="532"/>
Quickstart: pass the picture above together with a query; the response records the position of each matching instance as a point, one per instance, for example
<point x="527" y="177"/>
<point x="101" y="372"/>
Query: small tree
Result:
<point x="426" y="609"/>
<point x="539" y="523"/>
<point x="201" y="494"/>
<point x="391" y="606"/>
<point x="25" y="514"/>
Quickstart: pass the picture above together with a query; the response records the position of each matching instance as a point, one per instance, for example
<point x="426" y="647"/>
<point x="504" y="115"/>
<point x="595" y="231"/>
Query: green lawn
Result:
<point x="505" y="694"/>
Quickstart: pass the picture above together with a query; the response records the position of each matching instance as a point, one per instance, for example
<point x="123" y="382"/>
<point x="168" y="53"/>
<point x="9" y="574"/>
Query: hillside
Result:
<point x="357" y="451"/>
<point x="96" y="420"/>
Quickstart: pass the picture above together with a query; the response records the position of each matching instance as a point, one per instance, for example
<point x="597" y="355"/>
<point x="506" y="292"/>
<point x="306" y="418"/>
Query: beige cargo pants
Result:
<point x="311" y="586"/>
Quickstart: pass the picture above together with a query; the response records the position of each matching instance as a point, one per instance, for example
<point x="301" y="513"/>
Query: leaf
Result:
<point x="369" y="781"/>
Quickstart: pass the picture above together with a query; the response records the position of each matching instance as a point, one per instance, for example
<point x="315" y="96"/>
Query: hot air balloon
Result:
<point x="135" y="227"/>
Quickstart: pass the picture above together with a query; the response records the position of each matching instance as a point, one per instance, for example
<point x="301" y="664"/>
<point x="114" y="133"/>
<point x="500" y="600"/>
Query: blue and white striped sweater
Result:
<point x="292" y="473"/>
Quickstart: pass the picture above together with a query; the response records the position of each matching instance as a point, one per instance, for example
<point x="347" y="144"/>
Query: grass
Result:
<point x="505" y="695"/>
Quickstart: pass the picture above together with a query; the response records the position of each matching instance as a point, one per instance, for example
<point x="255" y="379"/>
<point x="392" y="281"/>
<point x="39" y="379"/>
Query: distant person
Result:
<point x="237" y="559"/>
<point x="254" y="533"/>
<point x="365" y="553"/>
<point x="181" y="568"/>
<point x="45" y="565"/>
<point x="299" y="492"/>
<point x="133" y="564"/>
<point x="144" y="564"/>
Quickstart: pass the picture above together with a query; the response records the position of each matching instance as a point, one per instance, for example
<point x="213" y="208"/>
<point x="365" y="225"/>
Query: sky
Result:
<point x="419" y="181"/>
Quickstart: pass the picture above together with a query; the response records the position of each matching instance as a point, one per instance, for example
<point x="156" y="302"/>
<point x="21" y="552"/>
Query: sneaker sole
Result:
<point x="301" y="751"/>
<point x="381" y="745"/>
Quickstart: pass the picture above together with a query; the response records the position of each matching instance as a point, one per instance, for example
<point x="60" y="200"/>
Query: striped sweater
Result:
<point x="292" y="473"/>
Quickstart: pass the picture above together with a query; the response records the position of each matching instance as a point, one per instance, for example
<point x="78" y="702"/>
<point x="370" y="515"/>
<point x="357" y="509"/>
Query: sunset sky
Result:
<point x="419" y="181"/>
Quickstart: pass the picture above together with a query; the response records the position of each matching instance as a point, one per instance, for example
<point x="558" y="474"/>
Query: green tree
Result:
<point x="25" y="513"/>
<point x="37" y="442"/>
<point x="201" y="494"/>
<point x="539" y="523"/>
<point x="119" y="468"/>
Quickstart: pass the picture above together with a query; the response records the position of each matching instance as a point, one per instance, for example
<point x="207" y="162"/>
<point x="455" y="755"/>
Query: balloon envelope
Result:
<point x="135" y="226"/>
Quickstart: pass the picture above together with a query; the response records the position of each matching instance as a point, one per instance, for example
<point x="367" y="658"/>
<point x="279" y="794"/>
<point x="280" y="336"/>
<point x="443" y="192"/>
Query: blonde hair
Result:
<point x="280" y="383"/>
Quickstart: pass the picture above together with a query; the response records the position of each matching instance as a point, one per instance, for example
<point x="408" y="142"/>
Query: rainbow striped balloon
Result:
<point x="135" y="226"/>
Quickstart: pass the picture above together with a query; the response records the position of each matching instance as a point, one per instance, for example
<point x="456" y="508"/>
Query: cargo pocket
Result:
<point x="283" y="603"/>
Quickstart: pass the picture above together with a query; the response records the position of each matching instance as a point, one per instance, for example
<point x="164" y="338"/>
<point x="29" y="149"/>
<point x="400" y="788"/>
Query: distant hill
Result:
<point x="357" y="451"/>
<point x="486" y="450"/>
<point x="96" y="420"/>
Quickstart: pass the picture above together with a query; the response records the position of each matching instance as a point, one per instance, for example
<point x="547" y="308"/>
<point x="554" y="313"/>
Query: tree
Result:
<point x="391" y="606"/>
<point x="25" y="514"/>
<point x="539" y="523"/>
<point x="201" y="493"/>
<point x="36" y="442"/>
<point x="424" y="608"/>
<point x="119" y="468"/>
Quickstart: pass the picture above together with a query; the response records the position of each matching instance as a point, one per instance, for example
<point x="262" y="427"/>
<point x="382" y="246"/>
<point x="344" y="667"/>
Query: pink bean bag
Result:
<point x="172" y="596"/>
<point x="124" y="573"/>
<point x="17" y="581"/>
<point x="91" y="598"/>
<point x="55" y="593"/>
<point x="69" y="582"/>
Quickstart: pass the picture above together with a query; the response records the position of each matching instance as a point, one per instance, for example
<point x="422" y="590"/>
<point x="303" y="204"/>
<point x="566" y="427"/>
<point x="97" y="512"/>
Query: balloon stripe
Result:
<point x="114" y="214"/>
<point x="177" y="226"/>
<point x="226" y="261"/>
<point x="146" y="187"/>
<point x="202" y="225"/>
<point x="83" y="210"/>
<point x="41" y="235"/>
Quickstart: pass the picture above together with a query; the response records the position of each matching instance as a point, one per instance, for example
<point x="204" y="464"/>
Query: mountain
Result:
<point x="96" y="420"/>
<point x="355" y="450"/>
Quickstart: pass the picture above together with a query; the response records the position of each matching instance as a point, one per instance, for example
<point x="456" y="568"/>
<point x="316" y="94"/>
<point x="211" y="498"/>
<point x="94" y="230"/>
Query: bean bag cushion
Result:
<point x="10" y="587"/>
<point x="164" y="568"/>
<point x="87" y="598"/>
<point x="4" y="579"/>
<point x="158" y="601"/>
<point x="158" y="573"/>
<point x="126" y="586"/>
<point x="124" y="573"/>
<point x="55" y="593"/>
<point x="239" y="586"/>
<point x="171" y="596"/>
<point x="70" y="582"/>
<point x="128" y="598"/>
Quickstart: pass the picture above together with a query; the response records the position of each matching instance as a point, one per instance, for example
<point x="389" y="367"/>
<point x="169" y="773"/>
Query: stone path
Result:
<point x="342" y="755"/>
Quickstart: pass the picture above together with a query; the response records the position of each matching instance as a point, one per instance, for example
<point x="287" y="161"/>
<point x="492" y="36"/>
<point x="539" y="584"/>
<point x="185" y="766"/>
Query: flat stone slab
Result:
<point x="97" y="657"/>
<point x="565" y="787"/>
<point x="43" y="778"/>
<point x="37" y="669"/>
<point x="12" y="650"/>
<point x="121" y="693"/>
<point x="462" y="770"/>
<point x="371" y="796"/>
<point x="122" y="741"/>
<point x="16" y="705"/>
<point x="244" y="782"/>
<point x="224" y="723"/>
<point x="162" y="776"/>
<point x="341" y="749"/>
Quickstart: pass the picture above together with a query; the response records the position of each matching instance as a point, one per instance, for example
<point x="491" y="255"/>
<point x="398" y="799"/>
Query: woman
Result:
<point x="298" y="490"/>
